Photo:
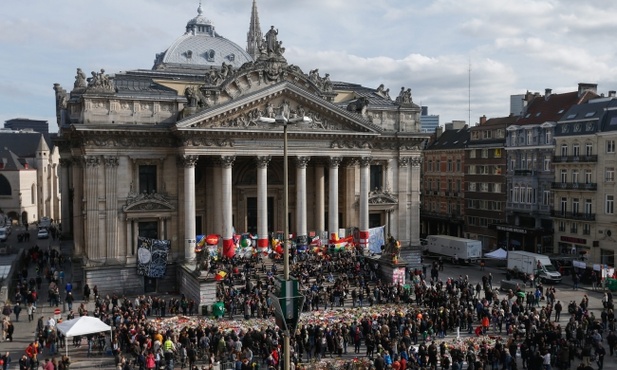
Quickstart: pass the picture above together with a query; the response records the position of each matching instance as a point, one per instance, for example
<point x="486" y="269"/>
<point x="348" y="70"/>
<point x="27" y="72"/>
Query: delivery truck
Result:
<point x="457" y="250"/>
<point x="521" y="263"/>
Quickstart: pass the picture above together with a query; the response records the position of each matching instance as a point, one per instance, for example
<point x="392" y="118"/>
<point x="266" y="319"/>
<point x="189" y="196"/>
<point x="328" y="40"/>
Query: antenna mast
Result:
<point x="469" y="91"/>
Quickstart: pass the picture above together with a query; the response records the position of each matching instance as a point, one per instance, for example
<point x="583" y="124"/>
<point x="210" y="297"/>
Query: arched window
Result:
<point x="5" y="186"/>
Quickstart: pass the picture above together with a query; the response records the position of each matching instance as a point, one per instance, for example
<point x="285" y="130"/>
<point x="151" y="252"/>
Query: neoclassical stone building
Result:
<point x="189" y="147"/>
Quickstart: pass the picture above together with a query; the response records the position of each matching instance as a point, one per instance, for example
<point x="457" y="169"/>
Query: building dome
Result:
<point x="201" y="47"/>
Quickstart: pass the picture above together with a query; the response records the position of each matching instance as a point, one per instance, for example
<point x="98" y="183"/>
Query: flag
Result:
<point x="220" y="276"/>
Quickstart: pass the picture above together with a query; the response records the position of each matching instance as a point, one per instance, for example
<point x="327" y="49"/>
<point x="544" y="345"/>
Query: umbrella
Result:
<point x="220" y="276"/>
<point x="521" y="294"/>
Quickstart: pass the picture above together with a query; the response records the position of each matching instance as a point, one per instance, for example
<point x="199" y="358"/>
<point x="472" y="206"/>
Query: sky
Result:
<point x="461" y="58"/>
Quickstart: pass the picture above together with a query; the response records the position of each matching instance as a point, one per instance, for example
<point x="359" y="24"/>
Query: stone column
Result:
<point x="126" y="248"/>
<point x="320" y="223"/>
<point x="262" y="202"/>
<point x="301" y="223"/>
<point x="217" y="210"/>
<point x="414" y="189"/>
<point x="365" y="165"/>
<point x="65" y="213"/>
<point x="403" y="201"/>
<point x="91" y="214"/>
<point x="79" y="214"/>
<point x="162" y="235"/>
<point x="227" y="207"/>
<point x="188" y="162"/>
<point x="334" y="163"/>
<point x="111" y="207"/>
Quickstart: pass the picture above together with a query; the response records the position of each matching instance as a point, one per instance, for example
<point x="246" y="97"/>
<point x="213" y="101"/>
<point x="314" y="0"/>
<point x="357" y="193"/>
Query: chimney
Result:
<point x="583" y="87"/>
<point x="483" y="120"/>
<point x="547" y="93"/>
<point x="611" y="93"/>
<point x="438" y="132"/>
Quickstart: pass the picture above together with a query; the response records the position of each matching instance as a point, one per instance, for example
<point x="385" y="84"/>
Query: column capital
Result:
<point x="227" y="161"/>
<point x="366" y="161"/>
<point x="404" y="161"/>
<point x="91" y="161"/>
<point x="263" y="161"/>
<point x="111" y="161"/>
<point x="187" y="161"/>
<point x="416" y="161"/>
<point x="302" y="162"/>
<point x="334" y="162"/>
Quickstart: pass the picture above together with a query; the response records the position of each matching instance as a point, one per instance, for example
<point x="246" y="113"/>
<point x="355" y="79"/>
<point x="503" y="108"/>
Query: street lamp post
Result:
<point x="282" y="119"/>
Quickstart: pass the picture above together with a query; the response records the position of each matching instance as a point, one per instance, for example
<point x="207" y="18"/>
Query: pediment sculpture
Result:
<point x="139" y="202"/>
<point x="382" y="197"/>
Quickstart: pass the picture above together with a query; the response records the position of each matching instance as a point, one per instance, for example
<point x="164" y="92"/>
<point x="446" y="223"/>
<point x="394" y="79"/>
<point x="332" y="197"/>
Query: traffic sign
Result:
<point x="288" y="303"/>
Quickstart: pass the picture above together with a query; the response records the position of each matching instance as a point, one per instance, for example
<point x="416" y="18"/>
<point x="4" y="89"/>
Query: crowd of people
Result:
<point x="348" y="307"/>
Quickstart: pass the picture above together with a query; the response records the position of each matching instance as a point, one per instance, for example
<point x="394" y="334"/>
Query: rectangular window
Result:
<point x="546" y="197"/>
<point x="529" y="137"/>
<point x="588" y="149"/>
<point x="472" y="153"/>
<point x="587" y="176"/>
<point x="376" y="177"/>
<point x="586" y="229"/>
<point x="484" y="153"/>
<point x="430" y="166"/>
<point x="472" y="186"/>
<point x="564" y="206"/>
<point x="575" y="176"/>
<point x="588" y="206"/>
<point x="547" y="163"/>
<point x="609" y="204"/>
<point x="496" y="188"/>
<point x="610" y="146"/>
<point x="548" y="136"/>
<point x="483" y="187"/>
<point x="574" y="228"/>
<point x="610" y="174"/>
<point x="564" y="150"/>
<point x="498" y="153"/>
<point x="449" y="185"/>
<point x="564" y="176"/>
<point x="450" y="165"/>
<point x="487" y="134"/>
<point x="562" y="226"/>
<point x="458" y="186"/>
<point x="147" y="179"/>
<point x="575" y="206"/>
<point x="576" y="150"/>
<point x="458" y="165"/>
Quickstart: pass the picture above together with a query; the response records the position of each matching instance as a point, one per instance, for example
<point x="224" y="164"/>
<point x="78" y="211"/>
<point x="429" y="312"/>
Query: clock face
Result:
<point x="144" y="255"/>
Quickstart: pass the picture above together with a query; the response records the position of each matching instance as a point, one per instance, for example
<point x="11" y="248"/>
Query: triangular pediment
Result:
<point x="246" y="113"/>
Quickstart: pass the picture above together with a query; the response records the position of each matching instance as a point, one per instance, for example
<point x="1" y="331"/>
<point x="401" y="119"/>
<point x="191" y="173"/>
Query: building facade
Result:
<point x="583" y="185"/>
<point x="29" y="183"/>
<point x="196" y="145"/>
<point x="485" y="196"/>
<point x="530" y="146"/>
<point x="443" y="184"/>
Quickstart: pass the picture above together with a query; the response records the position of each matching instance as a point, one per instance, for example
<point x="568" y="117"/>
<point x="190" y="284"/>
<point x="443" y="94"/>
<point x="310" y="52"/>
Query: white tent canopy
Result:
<point x="83" y="325"/>
<point x="498" y="254"/>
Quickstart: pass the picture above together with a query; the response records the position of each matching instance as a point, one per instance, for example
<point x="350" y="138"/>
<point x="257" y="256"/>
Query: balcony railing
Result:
<point x="575" y="158"/>
<point x="574" y="186"/>
<point x="574" y="215"/>
<point x="524" y="172"/>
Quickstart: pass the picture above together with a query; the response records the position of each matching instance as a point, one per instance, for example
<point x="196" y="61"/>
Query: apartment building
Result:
<point x="530" y="146"/>
<point x="584" y="181"/>
<point x="443" y="205"/>
<point x="485" y="165"/>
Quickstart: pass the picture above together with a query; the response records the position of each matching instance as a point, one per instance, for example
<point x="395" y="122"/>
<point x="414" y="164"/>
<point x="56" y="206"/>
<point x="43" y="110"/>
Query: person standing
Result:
<point x="600" y="353"/>
<point x="558" y="308"/>
<point x="16" y="311"/>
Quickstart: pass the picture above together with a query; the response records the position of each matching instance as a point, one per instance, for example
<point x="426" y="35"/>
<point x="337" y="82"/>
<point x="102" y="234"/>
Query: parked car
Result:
<point x="43" y="233"/>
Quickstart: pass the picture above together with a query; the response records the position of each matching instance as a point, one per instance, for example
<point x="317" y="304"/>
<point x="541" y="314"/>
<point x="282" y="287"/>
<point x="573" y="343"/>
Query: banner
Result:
<point x="376" y="239"/>
<point x="152" y="257"/>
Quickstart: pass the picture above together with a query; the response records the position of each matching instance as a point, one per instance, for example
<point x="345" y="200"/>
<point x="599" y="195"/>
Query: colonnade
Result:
<point x="223" y="206"/>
